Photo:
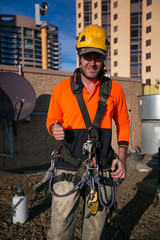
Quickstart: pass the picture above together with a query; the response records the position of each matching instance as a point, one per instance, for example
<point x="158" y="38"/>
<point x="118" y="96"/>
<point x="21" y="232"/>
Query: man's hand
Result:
<point x="58" y="130"/>
<point x="119" y="168"/>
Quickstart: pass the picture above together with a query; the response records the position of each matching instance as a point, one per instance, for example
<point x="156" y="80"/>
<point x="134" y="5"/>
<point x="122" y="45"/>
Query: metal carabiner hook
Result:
<point x="54" y="156"/>
<point x="92" y="168"/>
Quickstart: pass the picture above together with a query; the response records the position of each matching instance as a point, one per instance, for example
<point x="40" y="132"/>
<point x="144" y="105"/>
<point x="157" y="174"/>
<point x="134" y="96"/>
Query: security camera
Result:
<point x="43" y="8"/>
<point x="40" y="10"/>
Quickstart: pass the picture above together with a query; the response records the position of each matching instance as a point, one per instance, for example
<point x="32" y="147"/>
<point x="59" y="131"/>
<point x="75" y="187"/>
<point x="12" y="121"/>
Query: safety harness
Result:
<point x="88" y="172"/>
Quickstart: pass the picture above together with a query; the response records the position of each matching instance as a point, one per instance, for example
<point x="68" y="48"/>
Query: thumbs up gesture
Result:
<point x="58" y="130"/>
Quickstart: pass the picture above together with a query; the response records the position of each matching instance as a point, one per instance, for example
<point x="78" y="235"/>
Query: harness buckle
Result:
<point x="63" y="176"/>
<point x="69" y="177"/>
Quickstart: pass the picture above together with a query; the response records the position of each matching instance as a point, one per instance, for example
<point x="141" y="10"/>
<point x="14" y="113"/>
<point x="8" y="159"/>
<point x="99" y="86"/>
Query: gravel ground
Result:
<point x="139" y="211"/>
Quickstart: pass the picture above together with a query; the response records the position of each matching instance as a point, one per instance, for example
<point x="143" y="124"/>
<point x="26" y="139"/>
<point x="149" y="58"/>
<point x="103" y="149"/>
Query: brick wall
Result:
<point x="33" y="145"/>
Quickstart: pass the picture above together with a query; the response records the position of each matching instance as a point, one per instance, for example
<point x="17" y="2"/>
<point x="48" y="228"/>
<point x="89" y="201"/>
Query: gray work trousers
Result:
<point x="64" y="214"/>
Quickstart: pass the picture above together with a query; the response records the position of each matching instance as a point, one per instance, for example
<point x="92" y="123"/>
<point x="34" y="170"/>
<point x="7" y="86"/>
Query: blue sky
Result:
<point x="61" y="13"/>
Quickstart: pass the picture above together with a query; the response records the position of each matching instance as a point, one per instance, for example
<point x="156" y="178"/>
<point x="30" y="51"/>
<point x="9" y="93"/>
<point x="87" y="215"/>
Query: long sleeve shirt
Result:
<point x="64" y="107"/>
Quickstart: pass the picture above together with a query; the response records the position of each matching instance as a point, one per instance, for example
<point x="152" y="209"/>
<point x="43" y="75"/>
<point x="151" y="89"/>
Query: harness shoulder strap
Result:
<point x="77" y="91"/>
<point x="104" y="92"/>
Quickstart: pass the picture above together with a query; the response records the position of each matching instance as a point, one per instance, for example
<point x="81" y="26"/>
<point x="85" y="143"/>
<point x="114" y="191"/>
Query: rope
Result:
<point x="88" y="180"/>
<point x="113" y="193"/>
<point x="63" y="195"/>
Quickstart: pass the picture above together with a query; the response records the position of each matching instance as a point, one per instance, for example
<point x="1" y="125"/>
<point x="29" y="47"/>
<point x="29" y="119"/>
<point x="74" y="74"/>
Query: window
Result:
<point x="148" y="29"/>
<point x="79" y="5"/>
<point x="28" y="46"/>
<point x="149" y="2"/>
<point x="38" y="52"/>
<point x="28" y="55"/>
<point x="79" y="25"/>
<point x="148" y="15"/>
<point x="104" y="7"/>
<point x="95" y="16"/>
<point x="115" y="16"/>
<point x="148" y="81"/>
<point x="115" y="63"/>
<point x="79" y="15"/>
<point x="134" y="69"/>
<point x="134" y="33"/>
<point x="115" y="28"/>
<point x="115" y="51"/>
<point x="148" y="42"/>
<point x="140" y="70"/>
<point x="105" y="19"/>
<point x="37" y="34"/>
<point x="87" y="18"/>
<point x="15" y="29"/>
<point x="115" y="4"/>
<point x="134" y="20"/>
<point x="27" y="60"/>
<point x="148" y="55"/>
<point x="134" y="7"/>
<point x="148" y="68"/>
<point x="87" y="6"/>
<point x="37" y="47"/>
<point x="95" y="5"/>
<point x="27" y="32"/>
<point x="115" y="40"/>
<point x="38" y="57"/>
<point x="28" y="40"/>
<point x="27" y="65"/>
<point x="134" y="47"/>
<point x="116" y="74"/>
<point x="28" y="50"/>
<point x="134" y="58"/>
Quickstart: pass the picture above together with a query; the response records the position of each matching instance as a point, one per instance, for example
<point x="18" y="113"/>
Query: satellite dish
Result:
<point x="17" y="97"/>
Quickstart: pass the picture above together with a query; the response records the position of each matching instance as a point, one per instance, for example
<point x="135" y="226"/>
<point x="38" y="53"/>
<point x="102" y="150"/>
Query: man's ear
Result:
<point x="79" y="57"/>
<point x="79" y="60"/>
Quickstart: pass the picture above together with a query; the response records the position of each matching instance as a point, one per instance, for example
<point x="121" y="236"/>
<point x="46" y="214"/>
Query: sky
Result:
<point x="61" y="13"/>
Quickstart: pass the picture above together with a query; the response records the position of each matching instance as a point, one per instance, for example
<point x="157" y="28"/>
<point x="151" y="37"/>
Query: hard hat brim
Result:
<point x="83" y="51"/>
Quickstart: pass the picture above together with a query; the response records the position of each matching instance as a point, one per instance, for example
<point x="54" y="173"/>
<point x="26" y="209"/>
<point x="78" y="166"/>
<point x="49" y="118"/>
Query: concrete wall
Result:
<point x="33" y="145"/>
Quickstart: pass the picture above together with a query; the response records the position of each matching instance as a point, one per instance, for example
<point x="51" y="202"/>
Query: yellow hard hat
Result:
<point x="92" y="39"/>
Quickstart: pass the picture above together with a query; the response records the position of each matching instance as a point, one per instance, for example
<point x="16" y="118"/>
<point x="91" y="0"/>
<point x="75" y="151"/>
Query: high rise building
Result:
<point x="20" y="43"/>
<point x="133" y="30"/>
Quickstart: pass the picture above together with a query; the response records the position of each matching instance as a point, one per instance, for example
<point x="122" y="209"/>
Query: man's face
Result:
<point x="91" y="64"/>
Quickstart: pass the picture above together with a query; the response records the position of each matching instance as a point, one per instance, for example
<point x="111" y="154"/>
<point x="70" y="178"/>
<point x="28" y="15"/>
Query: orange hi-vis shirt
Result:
<point x="64" y="107"/>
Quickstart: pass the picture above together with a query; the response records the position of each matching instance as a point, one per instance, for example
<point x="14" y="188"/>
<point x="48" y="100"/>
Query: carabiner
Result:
<point x="92" y="168"/>
<point x="54" y="156"/>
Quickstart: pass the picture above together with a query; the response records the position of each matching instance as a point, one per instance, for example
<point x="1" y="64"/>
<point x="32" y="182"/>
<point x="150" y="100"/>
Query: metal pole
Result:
<point x="158" y="181"/>
<point x="10" y="139"/>
<point x="44" y="48"/>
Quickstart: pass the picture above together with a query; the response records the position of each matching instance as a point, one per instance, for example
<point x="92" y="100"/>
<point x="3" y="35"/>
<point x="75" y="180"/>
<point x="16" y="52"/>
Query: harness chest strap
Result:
<point x="104" y="92"/>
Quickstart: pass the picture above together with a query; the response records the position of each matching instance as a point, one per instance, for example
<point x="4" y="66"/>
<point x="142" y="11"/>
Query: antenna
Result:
<point x="17" y="102"/>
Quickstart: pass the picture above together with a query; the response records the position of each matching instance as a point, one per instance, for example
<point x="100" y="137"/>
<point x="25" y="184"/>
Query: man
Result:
<point x="66" y="123"/>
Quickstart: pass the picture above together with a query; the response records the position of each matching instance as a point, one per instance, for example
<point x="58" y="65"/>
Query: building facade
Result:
<point x="133" y="30"/>
<point x="20" y="43"/>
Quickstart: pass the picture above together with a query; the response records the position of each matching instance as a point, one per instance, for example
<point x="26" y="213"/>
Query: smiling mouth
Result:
<point x="92" y="69"/>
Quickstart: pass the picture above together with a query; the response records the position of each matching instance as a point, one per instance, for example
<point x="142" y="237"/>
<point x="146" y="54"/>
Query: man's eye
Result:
<point x="98" y="58"/>
<point x="87" y="57"/>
